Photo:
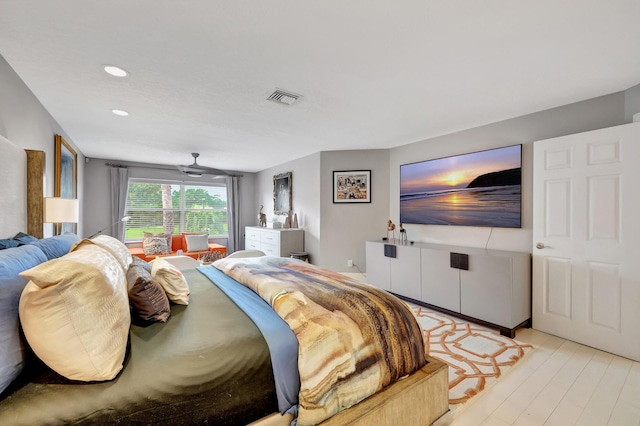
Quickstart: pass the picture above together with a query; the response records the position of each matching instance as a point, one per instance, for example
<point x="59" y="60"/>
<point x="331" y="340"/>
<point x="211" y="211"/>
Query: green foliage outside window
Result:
<point x="175" y="208"/>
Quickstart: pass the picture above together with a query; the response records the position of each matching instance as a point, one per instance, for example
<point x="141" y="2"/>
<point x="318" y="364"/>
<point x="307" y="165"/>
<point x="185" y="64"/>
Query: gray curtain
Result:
<point x="233" y="213"/>
<point x="119" y="186"/>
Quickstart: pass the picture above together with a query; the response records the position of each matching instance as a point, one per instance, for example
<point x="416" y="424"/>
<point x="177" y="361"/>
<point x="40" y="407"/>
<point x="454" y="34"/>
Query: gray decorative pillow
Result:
<point x="167" y="236"/>
<point x="141" y="263"/>
<point x="148" y="299"/>
<point x="155" y="245"/>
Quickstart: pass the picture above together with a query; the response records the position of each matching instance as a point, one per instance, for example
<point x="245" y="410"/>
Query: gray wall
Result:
<point x="631" y="103"/>
<point x="345" y="227"/>
<point x="25" y="122"/>
<point x="334" y="233"/>
<point x="605" y="111"/>
<point x="97" y="201"/>
<point x="305" y="184"/>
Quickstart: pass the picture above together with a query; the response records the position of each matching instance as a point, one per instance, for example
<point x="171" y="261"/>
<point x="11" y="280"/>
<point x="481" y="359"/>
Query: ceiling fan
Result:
<point x="196" y="170"/>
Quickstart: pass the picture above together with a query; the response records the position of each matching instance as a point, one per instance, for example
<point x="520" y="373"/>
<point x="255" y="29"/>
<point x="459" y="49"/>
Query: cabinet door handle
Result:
<point x="540" y="246"/>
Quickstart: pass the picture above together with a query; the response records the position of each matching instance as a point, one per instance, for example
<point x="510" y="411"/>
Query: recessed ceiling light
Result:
<point x="120" y="112"/>
<point x="115" y="71"/>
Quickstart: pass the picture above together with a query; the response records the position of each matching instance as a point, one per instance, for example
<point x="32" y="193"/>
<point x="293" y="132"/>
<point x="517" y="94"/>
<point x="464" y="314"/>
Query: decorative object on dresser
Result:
<point x="66" y="175"/>
<point x="262" y="218"/>
<point x="288" y="221"/>
<point x="274" y="242"/>
<point x="282" y="194"/>
<point x="490" y="287"/>
<point x="391" y="231"/>
<point x="352" y="186"/>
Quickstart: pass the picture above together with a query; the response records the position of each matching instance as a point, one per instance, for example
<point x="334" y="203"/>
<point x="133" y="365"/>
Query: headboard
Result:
<point x="13" y="189"/>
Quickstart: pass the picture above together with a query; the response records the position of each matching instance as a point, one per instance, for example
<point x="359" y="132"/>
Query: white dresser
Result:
<point x="273" y="242"/>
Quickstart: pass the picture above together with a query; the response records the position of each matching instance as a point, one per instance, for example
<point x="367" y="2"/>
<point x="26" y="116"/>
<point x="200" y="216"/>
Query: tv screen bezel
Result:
<point x="459" y="155"/>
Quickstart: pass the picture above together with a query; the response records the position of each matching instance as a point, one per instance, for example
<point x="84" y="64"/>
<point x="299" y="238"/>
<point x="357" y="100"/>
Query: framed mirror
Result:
<point x="282" y="194"/>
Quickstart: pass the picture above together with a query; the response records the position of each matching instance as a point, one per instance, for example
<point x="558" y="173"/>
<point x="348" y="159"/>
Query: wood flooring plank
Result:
<point x="584" y="386"/>
<point x="631" y="390"/>
<point x="604" y="398"/>
<point x="624" y="414"/>
<point x="548" y="399"/>
<point x="565" y="414"/>
<point x="520" y="399"/>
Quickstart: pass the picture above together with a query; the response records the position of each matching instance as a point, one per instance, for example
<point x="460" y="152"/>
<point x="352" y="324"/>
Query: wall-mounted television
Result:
<point x="477" y="189"/>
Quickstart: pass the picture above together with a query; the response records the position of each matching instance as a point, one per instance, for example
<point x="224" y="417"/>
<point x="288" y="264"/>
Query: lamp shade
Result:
<point x="61" y="210"/>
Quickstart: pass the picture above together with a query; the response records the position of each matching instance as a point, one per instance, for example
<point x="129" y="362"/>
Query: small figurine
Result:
<point x="391" y="228"/>
<point x="403" y="234"/>
<point x="262" y="218"/>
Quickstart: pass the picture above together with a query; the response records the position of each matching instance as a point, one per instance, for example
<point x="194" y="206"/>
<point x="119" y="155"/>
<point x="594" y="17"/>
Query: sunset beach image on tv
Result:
<point x="477" y="189"/>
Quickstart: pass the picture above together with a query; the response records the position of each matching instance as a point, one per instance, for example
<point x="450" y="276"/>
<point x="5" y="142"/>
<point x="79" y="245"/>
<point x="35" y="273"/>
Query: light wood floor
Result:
<point x="560" y="382"/>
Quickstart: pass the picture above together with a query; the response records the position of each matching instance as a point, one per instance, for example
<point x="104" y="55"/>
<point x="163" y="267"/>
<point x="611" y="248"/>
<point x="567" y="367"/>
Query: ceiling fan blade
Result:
<point x="196" y="169"/>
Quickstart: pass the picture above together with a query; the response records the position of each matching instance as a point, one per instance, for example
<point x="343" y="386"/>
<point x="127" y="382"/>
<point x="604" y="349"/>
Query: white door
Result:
<point x="586" y="237"/>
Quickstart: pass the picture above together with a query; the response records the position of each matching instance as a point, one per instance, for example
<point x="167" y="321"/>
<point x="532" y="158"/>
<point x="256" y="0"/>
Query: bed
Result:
<point x="209" y="363"/>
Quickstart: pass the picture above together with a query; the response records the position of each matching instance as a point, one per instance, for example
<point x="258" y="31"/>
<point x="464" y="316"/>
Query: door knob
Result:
<point x="540" y="245"/>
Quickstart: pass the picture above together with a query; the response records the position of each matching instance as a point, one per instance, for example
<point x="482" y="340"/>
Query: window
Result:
<point x="173" y="207"/>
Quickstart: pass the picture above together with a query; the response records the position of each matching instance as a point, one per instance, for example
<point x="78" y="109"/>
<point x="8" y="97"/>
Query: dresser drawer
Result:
<point x="252" y="245"/>
<point x="274" y="242"/>
<point x="252" y="234"/>
<point x="270" y="237"/>
<point x="270" y="249"/>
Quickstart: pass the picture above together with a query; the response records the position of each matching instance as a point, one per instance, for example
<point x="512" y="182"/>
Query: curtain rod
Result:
<point x="124" y="166"/>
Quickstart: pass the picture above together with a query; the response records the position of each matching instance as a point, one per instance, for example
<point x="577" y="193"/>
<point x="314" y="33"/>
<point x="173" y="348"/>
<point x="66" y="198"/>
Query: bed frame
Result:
<point x="419" y="399"/>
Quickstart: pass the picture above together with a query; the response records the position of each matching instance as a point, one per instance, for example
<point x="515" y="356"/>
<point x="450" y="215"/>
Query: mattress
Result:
<point x="208" y="364"/>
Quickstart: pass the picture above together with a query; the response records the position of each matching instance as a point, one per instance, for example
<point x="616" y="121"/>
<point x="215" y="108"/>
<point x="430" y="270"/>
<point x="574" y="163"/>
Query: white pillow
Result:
<point x="75" y="313"/>
<point x="113" y="246"/>
<point x="171" y="280"/>
<point x="197" y="242"/>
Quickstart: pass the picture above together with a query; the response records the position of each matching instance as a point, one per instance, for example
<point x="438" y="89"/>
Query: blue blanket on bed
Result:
<point x="283" y="345"/>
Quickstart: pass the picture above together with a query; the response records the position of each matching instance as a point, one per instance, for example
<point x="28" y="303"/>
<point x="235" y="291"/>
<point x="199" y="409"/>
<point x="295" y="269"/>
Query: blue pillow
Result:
<point x="8" y="243"/>
<point x="54" y="247"/>
<point x="23" y="238"/>
<point x="12" y="347"/>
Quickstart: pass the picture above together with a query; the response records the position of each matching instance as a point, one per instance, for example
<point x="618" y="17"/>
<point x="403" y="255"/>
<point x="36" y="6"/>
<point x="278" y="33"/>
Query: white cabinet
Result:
<point x="405" y="277"/>
<point x="440" y="282"/>
<point x="493" y="287"/>
<point x="395" y="274"/>
<point x="273" y="242"/>
<point x="378" y="266"/>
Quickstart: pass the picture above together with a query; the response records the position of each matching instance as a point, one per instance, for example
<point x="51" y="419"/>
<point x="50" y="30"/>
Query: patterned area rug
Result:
<point x="476" y="355"/>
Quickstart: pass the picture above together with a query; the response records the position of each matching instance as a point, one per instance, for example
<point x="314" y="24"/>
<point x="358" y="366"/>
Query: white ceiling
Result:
<point x="374" y="74"/>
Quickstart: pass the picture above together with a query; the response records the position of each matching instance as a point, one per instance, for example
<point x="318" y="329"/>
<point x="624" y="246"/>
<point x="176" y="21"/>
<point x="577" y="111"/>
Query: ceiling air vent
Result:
<point x="282" y="97"/>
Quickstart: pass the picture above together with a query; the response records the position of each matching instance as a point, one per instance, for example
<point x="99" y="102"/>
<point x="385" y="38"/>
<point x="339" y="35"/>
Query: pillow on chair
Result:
<point x="165" y="236"/>
<point x="155" y="245"/>
<point x="197" y="242"/>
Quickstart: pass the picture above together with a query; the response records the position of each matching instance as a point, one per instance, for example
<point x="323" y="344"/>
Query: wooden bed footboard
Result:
<point x="417" y="400"/>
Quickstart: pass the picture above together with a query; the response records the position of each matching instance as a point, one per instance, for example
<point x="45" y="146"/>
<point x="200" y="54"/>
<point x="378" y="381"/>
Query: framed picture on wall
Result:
<point x="66" y="175"/>
<point x="282" y="194"/>
<point x="352" y="186"/>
